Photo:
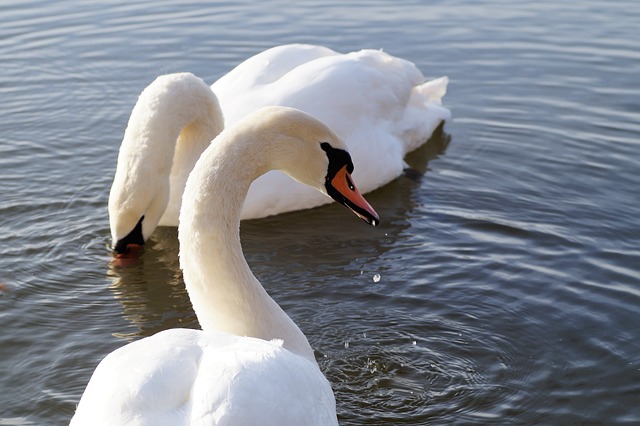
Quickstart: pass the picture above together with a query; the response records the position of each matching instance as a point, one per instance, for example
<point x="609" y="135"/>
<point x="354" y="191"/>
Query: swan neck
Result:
<point x="224" y="293"/>
<point x="172" y="123"/>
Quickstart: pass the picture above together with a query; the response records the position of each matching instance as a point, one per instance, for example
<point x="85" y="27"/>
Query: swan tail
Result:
<point x="432" y="90"/>
<point x="424" y="113"/>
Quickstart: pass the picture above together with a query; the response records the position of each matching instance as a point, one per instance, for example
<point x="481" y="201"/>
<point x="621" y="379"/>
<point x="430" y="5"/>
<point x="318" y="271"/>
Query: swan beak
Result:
<point x="346" y="193"/>
<point x="133" y="239"/>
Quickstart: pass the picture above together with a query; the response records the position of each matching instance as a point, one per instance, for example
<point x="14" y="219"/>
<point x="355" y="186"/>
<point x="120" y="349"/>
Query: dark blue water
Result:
<point x="503" y="286"/>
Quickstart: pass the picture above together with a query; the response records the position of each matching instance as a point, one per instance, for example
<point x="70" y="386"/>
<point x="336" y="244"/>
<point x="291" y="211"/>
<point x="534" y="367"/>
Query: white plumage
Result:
<point x="182" y="377"/>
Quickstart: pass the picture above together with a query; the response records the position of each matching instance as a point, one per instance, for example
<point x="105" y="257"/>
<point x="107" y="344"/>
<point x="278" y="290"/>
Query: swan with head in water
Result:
<point x="174" y="120"/>
<point x="250" y="364"/>
<point x="379" y="104"/>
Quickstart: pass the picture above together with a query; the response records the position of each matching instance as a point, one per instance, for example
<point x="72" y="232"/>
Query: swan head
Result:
<point x="339" y="184"/>
<point x="133" y="219"/>
<point x="324" y="164"/>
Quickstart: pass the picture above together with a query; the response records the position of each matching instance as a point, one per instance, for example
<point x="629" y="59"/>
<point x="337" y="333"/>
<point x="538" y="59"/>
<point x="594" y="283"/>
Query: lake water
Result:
<point x="507" y="271"/>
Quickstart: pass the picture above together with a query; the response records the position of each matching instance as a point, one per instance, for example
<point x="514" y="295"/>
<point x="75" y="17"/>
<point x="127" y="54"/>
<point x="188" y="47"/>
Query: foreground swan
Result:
<point x="379" y="104"/>
<point x="218" y="376"/>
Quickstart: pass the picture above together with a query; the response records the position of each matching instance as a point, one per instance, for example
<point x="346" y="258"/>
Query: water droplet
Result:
<point x="376" y="278"/>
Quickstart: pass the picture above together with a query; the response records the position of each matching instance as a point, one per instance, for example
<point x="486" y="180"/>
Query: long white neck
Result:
<point x="207" y="122"/>
<point x="224" y="293"/>
<point x="174" y="121"/>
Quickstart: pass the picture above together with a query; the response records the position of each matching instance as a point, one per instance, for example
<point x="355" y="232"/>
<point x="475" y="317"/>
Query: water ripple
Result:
<point x="506" y="282"/>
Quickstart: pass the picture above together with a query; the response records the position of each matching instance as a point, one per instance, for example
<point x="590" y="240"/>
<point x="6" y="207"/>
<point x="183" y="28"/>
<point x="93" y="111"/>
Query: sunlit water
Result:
<point x="503" y="286"/>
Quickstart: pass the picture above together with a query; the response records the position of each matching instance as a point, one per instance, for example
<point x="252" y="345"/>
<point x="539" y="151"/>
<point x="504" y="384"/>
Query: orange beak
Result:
<point x="350" y="197"/>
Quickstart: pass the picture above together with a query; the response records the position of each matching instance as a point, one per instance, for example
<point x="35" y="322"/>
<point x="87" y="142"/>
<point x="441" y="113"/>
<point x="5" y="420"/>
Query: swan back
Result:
<point x="269" y="66"/>
<point x="187" y="377"/>
<point x="172" y="123"/>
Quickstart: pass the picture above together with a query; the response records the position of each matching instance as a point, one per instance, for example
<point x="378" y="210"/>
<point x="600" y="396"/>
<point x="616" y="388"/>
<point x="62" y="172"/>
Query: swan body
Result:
<point x="379" y="104"/>
<point x="250" y="364"/>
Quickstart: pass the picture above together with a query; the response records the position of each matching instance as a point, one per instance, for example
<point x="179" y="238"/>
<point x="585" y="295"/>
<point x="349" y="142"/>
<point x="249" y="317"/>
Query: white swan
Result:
<point x="379" y="104"/>
<point x="174" y="120"/>
<point x="219" y="376"/>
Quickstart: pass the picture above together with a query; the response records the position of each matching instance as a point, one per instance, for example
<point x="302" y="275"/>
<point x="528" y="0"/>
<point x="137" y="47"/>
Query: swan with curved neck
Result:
<point x="250" y="364"/>
<point x="174" y="120"/>
<point x="379" y="104"/>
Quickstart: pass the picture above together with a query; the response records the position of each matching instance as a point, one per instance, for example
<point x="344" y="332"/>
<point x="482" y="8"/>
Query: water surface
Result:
<point x="503" y="286"/>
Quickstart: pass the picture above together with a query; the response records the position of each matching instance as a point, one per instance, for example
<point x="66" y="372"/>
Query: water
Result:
<point x="503" y="286"/>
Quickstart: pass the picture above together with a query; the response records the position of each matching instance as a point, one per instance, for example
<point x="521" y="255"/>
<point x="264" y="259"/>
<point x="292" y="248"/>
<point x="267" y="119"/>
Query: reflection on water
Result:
<point x="151" y="289"/>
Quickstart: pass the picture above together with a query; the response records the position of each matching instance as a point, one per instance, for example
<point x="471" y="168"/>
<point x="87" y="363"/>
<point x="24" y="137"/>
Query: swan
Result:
<point x="250" y="363"/>
<point x="173" y="121"/>
<point x="379" y="104"/>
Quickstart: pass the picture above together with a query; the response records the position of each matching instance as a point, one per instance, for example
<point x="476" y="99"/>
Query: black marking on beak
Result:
<point x="340" y="162"/>
<point x="133" y="237"/>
